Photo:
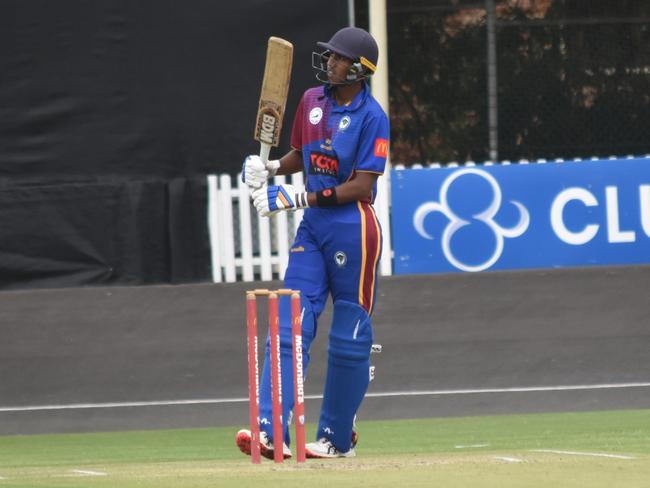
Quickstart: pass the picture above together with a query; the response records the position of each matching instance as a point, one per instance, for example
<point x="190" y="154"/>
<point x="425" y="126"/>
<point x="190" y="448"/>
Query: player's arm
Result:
<point x="358" y="188"/>
<point x="271" y="199"/>
<point x="290" y="163"/>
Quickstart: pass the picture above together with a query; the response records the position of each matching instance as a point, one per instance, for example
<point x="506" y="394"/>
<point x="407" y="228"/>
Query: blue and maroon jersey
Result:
<point x="338" y="141"/>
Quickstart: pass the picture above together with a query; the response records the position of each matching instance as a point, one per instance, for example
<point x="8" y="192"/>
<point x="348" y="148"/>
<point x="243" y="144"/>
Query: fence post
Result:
<point x="227" y="228"/>
<point x="213" y="228"/>
<point x="245" y="230"/>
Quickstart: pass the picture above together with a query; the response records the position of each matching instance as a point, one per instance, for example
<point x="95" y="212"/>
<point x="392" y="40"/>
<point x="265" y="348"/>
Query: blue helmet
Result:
<point x="351" y="42"/>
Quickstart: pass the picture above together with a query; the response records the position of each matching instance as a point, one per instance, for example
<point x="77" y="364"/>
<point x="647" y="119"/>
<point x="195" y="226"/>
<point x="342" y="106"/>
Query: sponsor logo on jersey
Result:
<point x="327" y="146"/>
<point x="381" y="148"/>
<point x="323" y="164"/>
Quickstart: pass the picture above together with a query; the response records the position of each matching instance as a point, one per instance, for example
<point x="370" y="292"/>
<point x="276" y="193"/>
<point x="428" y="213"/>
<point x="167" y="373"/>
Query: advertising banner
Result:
<point x="476" y="218"/>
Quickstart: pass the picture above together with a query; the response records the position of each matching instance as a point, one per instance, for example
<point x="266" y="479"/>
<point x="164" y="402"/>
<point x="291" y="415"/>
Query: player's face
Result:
<point x="337" y="68"/>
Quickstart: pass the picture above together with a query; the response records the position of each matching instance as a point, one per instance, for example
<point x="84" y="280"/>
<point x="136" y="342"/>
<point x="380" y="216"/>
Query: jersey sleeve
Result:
<point x="373" y="145"/>
<point x="296" y="130"/>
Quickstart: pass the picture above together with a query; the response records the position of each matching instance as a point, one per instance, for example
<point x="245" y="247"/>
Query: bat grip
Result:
<point x="265" y="150"/>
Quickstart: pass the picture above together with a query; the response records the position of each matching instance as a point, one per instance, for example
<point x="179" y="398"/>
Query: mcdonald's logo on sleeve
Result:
<point x="381" y="148"/>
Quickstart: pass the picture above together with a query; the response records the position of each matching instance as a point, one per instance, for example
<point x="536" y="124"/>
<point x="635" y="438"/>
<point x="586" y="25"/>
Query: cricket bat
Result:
<point x="273" y="97"/>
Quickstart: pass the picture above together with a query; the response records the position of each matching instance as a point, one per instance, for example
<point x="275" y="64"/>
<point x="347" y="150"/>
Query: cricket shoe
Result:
<point x="322" y="449"/>
<point x="243" y="441"/>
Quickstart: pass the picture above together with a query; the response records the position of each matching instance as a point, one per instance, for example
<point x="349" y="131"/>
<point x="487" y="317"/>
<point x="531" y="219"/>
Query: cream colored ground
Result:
<point x="462" y="470"/>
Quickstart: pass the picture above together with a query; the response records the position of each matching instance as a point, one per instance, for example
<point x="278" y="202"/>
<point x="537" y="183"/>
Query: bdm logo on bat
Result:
<point x="268" y="129"/>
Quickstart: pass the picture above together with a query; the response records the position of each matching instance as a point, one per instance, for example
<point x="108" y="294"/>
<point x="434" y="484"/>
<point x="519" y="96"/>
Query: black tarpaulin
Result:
<point x="112" y="113"/>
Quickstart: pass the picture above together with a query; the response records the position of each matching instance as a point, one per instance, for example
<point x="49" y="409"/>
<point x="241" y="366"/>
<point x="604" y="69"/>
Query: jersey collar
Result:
<point x="354" y="104"/>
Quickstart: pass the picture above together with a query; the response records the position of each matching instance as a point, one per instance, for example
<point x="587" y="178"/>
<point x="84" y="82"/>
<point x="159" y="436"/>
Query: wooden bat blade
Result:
<point x="275" y="88"/>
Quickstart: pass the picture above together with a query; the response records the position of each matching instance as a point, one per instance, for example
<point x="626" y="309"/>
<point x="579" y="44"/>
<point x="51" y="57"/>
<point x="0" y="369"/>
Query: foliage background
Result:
<point x="573" y="78"/>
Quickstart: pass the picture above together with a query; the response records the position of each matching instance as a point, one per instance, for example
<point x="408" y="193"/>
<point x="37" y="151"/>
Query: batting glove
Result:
<point x="269" y="200"/>
<point x="255" y="172"/>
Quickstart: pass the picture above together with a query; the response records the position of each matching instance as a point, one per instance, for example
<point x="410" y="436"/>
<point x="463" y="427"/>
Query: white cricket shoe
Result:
<point x="323" y="448"/>
<point x="243" y="440"/>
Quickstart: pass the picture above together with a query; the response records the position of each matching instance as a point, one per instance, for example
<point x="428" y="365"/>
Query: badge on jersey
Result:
<point x="315" y="115"/>
<point x="381" y="148"/>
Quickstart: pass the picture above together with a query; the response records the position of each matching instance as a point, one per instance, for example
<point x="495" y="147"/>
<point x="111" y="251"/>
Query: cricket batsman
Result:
<point x="340" y="140"/>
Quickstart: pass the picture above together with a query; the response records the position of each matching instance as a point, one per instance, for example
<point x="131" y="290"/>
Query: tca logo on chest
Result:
<point x="323" y="164"/>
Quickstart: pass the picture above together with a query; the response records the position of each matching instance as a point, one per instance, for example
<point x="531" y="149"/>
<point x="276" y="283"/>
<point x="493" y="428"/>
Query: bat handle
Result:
<point x="265" y="150"/>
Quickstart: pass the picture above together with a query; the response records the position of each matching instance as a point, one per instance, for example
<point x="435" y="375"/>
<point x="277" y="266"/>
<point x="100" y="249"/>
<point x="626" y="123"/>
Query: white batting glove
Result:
<point x="255" y="172"/>
<point x="272" y="199"/>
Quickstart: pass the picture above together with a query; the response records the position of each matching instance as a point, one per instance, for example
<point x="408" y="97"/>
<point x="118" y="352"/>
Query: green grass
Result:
<point x="422" y="452"/>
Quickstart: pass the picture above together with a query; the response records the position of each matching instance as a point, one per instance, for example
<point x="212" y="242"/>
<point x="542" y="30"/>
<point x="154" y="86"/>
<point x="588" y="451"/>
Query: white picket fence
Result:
<point x="246" y="247"/>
